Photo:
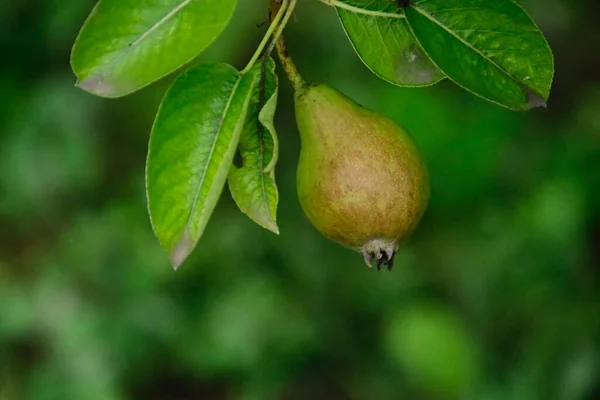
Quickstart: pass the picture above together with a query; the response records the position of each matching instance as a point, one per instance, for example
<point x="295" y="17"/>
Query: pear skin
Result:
<point x="361" y="179"/>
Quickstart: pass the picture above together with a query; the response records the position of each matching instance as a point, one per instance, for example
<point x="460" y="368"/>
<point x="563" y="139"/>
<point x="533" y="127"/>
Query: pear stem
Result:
<point x="288" y="65"/>
<point x="284" y="56"/>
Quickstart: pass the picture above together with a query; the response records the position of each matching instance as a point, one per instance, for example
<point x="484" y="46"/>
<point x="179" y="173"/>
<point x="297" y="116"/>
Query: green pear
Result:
<point x="361" y="179"/>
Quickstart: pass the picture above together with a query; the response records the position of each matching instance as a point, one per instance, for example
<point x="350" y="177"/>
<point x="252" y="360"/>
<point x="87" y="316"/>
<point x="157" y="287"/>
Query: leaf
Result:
<point x="253" y="185"/>
<point x="192" y="145"/>
<point x="381" y="38"/>
<point x="490" y="47"/>
<point x="127" y="44"/>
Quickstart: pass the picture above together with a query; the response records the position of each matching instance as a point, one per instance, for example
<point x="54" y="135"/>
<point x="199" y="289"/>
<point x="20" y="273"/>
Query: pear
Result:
<point x="361" y="180"/>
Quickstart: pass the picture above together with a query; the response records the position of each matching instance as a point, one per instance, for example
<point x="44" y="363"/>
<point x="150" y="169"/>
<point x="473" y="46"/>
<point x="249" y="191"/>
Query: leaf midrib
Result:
<point x="463" y="41"/>
<point x="164" y="19"/>
<point x="358" y="10"/>
<point x="210" y="157"/>
<point x="153" y="28"/>
<point x="261" y="136"/>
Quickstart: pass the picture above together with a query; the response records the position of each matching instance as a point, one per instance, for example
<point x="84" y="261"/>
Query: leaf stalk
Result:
<point x="284" y="56"/>
<point x="278" y="17"/>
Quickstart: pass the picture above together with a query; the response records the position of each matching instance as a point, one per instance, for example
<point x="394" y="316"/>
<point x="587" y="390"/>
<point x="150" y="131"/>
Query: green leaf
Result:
<point x="191" y="149"/>
<point x="127" y="44"/>
<point x="253" y="184"/>
<point x="491" y="48"/>
<point x="381" y="38"/>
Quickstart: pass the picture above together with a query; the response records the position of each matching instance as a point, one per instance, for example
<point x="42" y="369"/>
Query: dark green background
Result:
<point x="495" y="297"/>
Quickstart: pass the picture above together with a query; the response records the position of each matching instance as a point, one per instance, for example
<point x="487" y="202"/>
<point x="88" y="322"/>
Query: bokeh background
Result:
<point x="495" y="297"/>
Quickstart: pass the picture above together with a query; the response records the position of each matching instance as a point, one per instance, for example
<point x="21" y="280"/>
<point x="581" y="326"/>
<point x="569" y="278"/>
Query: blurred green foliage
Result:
<point x="496" y="296"/>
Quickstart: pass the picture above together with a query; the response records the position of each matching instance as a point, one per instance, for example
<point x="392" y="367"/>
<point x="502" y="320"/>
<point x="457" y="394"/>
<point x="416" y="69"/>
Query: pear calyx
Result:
<point x="380" y="250"/>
